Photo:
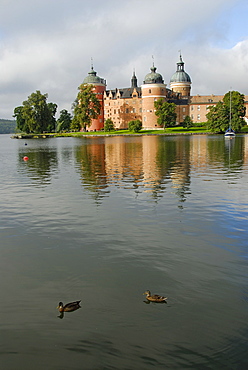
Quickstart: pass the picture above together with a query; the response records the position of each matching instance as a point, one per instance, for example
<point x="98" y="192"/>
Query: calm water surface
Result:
<point x="103" y="220"/>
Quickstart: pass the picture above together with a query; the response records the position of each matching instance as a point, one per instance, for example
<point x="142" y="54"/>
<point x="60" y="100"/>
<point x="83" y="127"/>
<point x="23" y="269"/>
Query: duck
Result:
<point x="154" y="297"/>
<point x="69" y="307"/>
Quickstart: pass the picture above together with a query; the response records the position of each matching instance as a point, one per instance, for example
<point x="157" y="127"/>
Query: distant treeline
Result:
<point x="7" y="126"/>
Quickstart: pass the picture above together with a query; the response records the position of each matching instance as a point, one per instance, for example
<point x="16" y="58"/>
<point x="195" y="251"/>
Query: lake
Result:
<point x="105" y="219"/>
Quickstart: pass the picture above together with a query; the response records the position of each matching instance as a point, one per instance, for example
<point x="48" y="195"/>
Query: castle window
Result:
<point x="145" y="119"/>
<point x="134" y="95"/>
<point x="192" y="107"/>
<point x="184" y="109"/>
<point x="192" y="116"/>
<point x="150" y="91"/>
<point x="155" y="99"/>
<point x="198" y="117"/>
<point x="210" y="100"/>
<point x="140" y="110"/>
<point x="114" y="111"/>
<point x="134" y="110"/>
<point x="198" y="107"/>
<point x="127" y="110"/>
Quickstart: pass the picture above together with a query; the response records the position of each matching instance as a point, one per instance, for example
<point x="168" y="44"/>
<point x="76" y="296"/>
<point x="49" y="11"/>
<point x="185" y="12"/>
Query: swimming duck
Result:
<point x="69" y="307"/>
<point x="154" y="297"/>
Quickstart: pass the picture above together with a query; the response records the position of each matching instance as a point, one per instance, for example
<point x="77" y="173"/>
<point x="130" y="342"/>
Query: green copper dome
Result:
<point x="153" y="77"/>
<point x="180" y="75"/>
<point x="93" y="79"/>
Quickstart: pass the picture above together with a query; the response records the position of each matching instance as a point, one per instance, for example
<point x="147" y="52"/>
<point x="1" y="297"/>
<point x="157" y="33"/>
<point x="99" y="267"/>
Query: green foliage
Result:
<point x="75" y="124"/>
<point x="135" y="125"/>
<point x="86" y="106"/>
<point x="236" y="104"/>
<point x="7" y="126"/>
<point x="166" y="113"/>
<point x="64" y="121"/>
<point x="109" y="125"/>
<point x="36" y="115"/>
<point x="228" y="112"/>
<point x="51" y="120"/>
<point x="187" y="122"/>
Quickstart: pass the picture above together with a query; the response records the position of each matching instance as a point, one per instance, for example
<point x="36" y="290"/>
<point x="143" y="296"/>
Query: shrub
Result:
<point x="135" y="125"/>
<point x="109" y="125"/>
<point x="187" y="122"/>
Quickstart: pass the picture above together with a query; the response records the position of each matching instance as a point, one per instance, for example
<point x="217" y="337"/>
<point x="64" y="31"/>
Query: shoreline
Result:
<point x="94" y="135"/>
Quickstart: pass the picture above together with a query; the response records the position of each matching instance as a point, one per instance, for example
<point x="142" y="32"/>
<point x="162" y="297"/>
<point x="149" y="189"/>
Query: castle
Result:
<point x="137" y="102"/>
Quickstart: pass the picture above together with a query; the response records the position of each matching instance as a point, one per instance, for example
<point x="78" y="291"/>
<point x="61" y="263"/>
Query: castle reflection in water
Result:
<point x="153" y="163"/>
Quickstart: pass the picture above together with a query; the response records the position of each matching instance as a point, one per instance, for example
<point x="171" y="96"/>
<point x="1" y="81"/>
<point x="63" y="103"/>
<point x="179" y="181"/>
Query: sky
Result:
<point x="49" y="45"/>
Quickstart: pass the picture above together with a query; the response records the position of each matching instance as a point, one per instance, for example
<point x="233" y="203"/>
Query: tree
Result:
<point x="36" y="115"/>
<point x="51" y="120"/>
<point x="135" y="125"/>
<point x="187" y="122"/>
<point x="236" y="105"/>
<point x="64" y="121"/>
<point x="75" y="124"/>
<point x="229" y="111"/>
<point x="166" y="113"/>
<point x="20" y="120"/>
<point x="217" y="118"/>
<point x="109" y="125"/>
<point x="86" y="106"/>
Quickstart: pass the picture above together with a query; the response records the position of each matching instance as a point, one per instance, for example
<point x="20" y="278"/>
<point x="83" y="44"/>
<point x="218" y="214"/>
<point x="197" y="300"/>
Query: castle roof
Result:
<point x="153" y="77"/>
<point x="180" y="75"/>
<point x="125" y="93"/>
<point x="93" y="79"/>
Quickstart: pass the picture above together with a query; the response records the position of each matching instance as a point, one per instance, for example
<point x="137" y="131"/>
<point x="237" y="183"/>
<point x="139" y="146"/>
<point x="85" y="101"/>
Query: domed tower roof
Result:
<point x="180" y="75"/>
<point x="153" y="77"/>
<point x="93" y="79"/>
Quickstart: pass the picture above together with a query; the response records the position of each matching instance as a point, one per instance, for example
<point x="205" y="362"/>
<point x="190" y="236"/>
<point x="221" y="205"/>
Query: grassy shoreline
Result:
<point x="168" y="131"/>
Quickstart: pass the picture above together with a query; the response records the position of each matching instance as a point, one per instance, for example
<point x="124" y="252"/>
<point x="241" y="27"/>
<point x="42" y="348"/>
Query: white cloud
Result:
<point x="48" y="45"/>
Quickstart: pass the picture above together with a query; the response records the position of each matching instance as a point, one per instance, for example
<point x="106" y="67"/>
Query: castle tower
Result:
<point x="99" y="88"/>
<point x="134" y="82"/>
<point x="152" y="89"/>
<point x="180" y="81"/>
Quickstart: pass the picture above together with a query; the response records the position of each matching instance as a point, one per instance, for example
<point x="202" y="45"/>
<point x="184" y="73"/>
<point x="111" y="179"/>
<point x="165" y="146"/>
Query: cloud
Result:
<point x="48" y="45"/>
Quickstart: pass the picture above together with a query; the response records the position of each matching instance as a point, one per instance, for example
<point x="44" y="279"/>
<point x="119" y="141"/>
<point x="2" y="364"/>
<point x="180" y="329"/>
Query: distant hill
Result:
<point x="7" y="126"/>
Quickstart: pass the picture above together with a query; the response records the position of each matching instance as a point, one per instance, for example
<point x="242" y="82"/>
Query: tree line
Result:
<point x="7" y="126"/>
<point x="36" y="115"/>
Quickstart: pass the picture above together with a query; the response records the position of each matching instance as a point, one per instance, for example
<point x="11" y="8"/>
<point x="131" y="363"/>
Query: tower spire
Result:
<point x="134" y="80"/>
<point x="153" y="61"/>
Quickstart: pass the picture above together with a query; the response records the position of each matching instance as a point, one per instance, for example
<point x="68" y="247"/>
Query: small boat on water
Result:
<point x="230" y="132"/>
